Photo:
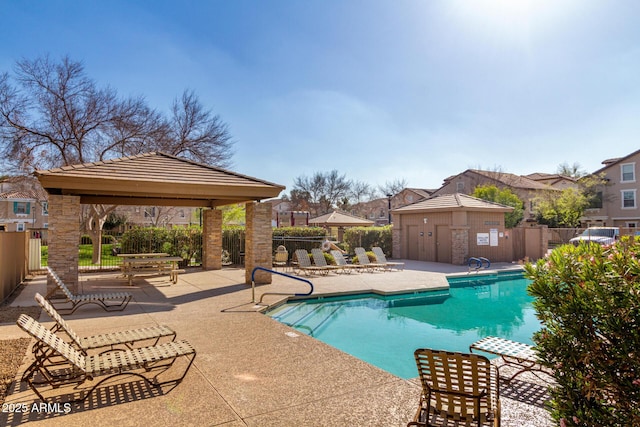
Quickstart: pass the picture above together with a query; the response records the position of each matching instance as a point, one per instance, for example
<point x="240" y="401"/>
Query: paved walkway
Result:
<point x="250" y="370"/>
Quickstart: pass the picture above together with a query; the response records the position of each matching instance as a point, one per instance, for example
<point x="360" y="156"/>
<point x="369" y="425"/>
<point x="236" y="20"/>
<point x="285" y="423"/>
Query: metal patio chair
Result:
<point x="111" y="340"/>
<point x="343" y="264"/>
<point x="112" y="301"/>
<point x="363" y="259"/>
<point x="460" y="387"/>
<point x="58" y="363"/>
<point x="304" y="264"/>
<point x="382" y="259"/>
<point x="320" y="261"/>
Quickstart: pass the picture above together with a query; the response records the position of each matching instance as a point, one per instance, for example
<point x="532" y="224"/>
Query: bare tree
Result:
<point x="324" y="190"/>
<point x="54" y="115"/>
<point x="393" y="187"/>
<point x="360" y="192"/>
<point x="574" y="171"/>
<point x="196" y="134"/>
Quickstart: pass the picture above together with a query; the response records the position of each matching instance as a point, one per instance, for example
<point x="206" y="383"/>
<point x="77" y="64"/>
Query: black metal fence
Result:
<point x="233" y="247"/>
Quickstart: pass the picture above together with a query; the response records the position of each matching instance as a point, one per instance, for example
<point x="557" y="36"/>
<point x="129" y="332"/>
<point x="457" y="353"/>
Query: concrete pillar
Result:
<point x="459" y="244"/>
<point x="64" y="240"/>
<point x="211" y="239"/>
<point x="258" y="242"/>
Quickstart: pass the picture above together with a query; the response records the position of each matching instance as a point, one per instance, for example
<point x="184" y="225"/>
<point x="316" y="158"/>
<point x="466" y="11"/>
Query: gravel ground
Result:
<point x="12" y="351"/>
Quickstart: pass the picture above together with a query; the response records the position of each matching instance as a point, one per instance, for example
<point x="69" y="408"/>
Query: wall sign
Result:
<point x="482" y="239"/>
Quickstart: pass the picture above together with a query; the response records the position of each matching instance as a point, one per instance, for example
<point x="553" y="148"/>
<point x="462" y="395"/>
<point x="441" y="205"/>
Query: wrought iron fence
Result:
<point x="233" y="246"/>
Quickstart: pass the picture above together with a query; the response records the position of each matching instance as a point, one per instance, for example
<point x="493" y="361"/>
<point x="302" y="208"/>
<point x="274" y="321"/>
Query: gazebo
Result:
<point x="340" y="220"/>
<point x="157" y="179"/>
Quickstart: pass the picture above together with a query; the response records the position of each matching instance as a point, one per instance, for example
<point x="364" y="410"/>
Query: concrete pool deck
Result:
<point x="250" y="370"/>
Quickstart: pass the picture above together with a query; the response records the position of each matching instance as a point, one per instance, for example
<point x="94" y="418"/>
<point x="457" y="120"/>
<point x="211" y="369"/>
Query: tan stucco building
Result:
<point x="450" y="228"/>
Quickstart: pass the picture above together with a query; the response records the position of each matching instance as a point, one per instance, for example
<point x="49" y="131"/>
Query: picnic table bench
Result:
<point x="150" y="263"/>
<point x="515" y="354"/>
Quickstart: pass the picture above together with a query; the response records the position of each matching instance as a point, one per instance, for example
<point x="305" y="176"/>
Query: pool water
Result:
<point x="385" y="330"/>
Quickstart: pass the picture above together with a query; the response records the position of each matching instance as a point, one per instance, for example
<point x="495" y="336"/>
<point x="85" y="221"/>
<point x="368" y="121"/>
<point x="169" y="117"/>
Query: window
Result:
<point x="383" y="214"/>
<point x="21" y="208"/>
<point x="595" y="201"/>
<point x="150" y="212"/>
<point x="181" y="213"/>
<point x="627" y="172"/>
<point x="628" y="199"/>
<point x="459" y="186"/>
<point x="45" y="208"/>
<point x="20" y="226"/>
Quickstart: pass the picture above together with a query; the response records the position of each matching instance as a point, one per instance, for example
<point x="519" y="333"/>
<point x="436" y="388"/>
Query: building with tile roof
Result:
<point x="451" y="228"/>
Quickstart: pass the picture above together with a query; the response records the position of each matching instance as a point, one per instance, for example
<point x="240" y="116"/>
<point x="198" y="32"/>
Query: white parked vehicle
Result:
<point x="600" y="235"/>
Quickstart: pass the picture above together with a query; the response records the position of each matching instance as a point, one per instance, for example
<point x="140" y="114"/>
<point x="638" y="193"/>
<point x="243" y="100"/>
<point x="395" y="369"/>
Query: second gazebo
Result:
<point x="338" y="221"/>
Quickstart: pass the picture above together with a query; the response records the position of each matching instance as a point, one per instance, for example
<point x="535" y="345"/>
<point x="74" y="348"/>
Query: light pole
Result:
<point x="389" y="208"/>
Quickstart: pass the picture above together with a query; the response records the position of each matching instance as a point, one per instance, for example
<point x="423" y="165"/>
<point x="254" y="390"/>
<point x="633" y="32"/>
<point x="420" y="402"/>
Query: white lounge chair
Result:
<point x="382" y="259"/>
<point x="112" y="301"/>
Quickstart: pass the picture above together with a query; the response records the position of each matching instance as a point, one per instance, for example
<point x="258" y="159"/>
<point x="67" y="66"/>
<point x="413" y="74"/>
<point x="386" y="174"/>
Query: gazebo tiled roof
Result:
<point x="448" y="202"/>
<point x="155" y="179"/>
<point x="340" y="219"/>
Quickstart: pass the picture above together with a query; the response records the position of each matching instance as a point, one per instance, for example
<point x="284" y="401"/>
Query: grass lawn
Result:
<point x="86" y="255"/>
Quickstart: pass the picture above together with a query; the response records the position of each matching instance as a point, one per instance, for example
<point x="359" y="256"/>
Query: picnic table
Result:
<point x="150" y="263"/>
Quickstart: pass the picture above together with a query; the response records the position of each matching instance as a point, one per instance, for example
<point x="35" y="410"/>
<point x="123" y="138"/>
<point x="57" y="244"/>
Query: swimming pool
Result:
<point x="385" y="330"/>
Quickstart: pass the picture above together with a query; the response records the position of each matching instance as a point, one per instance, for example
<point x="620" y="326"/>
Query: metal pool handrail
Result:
<point x="479" y="261"/>
<point x="253" y="284"/>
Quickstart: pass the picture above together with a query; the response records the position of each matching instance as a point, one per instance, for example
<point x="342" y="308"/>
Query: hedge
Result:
<point x="588" y="299"/>
<point x="368" y="237"/>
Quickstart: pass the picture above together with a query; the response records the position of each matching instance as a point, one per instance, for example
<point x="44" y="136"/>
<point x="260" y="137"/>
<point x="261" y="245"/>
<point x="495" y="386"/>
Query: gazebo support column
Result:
<point x="212" y="239"/>
<point x="258" y="242"/>
<point x="64" y="238"/>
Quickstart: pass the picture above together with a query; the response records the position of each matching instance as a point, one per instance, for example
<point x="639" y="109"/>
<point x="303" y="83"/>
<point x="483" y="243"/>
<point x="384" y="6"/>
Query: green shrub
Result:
<point x="368" y="237"/>
<point x="185" y="242"/>
<point x="588" y="299"/>
<point x="372" y="258"/>
<point x="329" y="258"/>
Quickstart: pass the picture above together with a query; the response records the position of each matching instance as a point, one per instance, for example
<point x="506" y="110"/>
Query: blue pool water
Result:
<point x="385" y="330"/>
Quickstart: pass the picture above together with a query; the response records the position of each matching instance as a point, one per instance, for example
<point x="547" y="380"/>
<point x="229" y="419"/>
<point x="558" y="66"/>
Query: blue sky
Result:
<point x="379" y="90"/>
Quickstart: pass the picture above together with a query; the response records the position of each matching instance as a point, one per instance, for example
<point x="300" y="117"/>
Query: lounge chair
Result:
<point x="382" y="259"/>
<point x="460" y="387"/>
<point x="58" y="363"/>
<point x="111" y="340"/>
<point x="343" y="264"/>
<point x="304" y="264"/>
<point x="112" y="301"/>
<point x="363" y="259"/>
<point x="518" y="355"/>
<point x="281" y="258"/>
<point x="320" y="261"/>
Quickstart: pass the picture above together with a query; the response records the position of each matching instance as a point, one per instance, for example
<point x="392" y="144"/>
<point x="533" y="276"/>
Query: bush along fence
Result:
<point x="588" y="299"/>
<point x="186" y="242"/>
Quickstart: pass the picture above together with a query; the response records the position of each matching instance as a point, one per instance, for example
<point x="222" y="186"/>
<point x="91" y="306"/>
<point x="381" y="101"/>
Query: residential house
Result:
<point x="157" y="216"/>
<point x="617" y="203"/>
<point x="378" y="210"/>
<point x="561" y="182"/>
<point x="409" y="196"/>
<point x="23" y="206"/>
<point x="525" y="188"/>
